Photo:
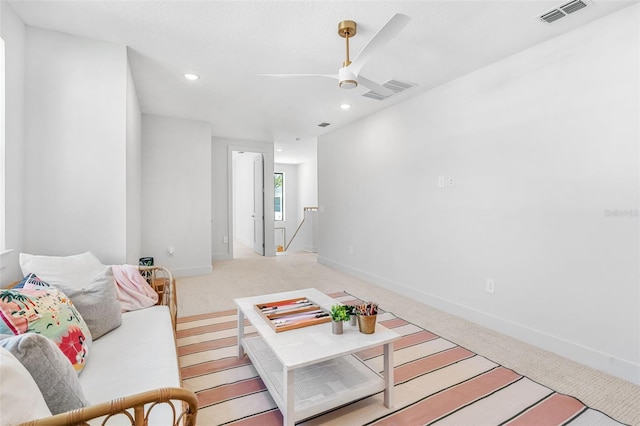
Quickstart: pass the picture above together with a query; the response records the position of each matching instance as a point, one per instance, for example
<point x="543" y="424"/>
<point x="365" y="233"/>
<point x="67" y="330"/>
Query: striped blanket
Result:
<point x="436" y="382"/>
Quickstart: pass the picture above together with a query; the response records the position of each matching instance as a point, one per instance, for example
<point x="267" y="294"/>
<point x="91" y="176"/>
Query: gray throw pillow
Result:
<point x="50" y="369"/>
<point x="97" y="302"/>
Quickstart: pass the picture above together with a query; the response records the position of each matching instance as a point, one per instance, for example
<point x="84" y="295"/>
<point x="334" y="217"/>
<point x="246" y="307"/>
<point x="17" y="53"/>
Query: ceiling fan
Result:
<point x="349" y="75"/>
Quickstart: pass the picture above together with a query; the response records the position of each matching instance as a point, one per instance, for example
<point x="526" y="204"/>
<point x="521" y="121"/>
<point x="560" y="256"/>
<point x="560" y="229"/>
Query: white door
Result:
<point x="258" y="205"/>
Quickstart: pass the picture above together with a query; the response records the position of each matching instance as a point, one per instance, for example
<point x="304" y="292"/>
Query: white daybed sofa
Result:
<point x="133" y="368"/>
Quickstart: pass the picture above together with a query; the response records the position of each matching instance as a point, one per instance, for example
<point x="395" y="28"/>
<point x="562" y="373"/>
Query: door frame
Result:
<point x="258" y="204"/>
<point x="268" y="168"/>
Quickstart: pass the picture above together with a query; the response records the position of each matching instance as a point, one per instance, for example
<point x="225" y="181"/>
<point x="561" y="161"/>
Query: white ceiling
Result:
<point x="228" y="43"/>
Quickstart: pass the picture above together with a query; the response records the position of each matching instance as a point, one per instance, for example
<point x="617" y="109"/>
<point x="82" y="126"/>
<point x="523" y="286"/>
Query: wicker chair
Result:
<point x="119" y="410"/>
<point x="162" y="281"/>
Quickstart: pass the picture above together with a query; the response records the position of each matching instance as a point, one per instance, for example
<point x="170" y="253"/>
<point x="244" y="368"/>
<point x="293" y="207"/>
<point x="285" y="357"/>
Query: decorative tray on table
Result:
<point x="283" y="315"/>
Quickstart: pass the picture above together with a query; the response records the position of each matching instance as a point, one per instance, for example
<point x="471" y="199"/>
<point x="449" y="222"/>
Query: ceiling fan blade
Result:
<point x="335" y="76"/>
<point x="375" y="87"/>
<point x="384" y="35"/>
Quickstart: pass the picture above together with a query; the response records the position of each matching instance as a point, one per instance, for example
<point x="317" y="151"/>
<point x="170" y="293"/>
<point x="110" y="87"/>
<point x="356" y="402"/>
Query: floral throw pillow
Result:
<point x="48" y="312"/>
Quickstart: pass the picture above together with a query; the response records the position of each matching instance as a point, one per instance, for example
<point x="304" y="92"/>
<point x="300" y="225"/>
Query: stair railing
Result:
<point x="306" y="209"/>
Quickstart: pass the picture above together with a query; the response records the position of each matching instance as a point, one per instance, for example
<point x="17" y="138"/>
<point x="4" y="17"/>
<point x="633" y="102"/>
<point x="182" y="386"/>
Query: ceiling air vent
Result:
<point x="396" y="86"/>
<point x="563" y="10"/>
<point x="572" y="6"/>
<point x="554" y="15"/>
<point x="374" y="95"/>
<point x="324" y="124"/>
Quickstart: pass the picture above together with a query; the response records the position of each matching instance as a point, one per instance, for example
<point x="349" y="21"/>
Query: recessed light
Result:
<point x="279" y="149"/>
<point x="345" y="106"/>
<point x="191" y="76"/>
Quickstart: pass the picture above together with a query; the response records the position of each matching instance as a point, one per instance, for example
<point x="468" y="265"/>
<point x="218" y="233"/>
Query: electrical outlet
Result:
<point x="440" y="181"/>
<point x="452" y="181"/>
<point x="490" y="286"/>
<point x="225" y="240"/>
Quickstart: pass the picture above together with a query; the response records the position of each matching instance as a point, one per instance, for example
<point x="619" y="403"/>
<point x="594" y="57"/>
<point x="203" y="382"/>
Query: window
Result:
<point x="278" y="202"/>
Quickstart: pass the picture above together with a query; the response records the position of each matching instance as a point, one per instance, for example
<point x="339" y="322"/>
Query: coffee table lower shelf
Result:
<point x="317" y="388"/>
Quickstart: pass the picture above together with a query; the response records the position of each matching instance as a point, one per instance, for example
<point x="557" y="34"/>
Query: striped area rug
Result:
<point x="436" y="382"/>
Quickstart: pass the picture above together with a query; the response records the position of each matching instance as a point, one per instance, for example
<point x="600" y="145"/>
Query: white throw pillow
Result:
<point x="20" y="398"/>
<point x="71" y="271"/>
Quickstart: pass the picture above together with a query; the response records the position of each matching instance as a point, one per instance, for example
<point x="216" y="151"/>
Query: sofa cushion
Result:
<point x="74" y="271"/>
<point x="96" y="300"/>
<point x="20" y="398"/>
<point x="49" y="313"/>
<point x="138" y="356"/>
<point x="54" y="375"/>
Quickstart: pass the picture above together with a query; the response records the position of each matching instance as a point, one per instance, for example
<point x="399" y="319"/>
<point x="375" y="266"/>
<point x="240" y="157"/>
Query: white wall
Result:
<point x="13" y="32"/>
<point x="308" y="197"/>
<point x="221" y="208"/>
<point x="291" y="207"/>
<point x="308" y="183"/>
<point x="75" y="146"/>
<point x="134" y="172"/>
<point x="543" y="148"/>
<point x="75" y="155"/>
<point x="176" y="193"/>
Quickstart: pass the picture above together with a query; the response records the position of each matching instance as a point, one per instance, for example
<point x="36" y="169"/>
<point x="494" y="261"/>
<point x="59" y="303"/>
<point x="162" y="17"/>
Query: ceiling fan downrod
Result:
<point x="347" y="29"/>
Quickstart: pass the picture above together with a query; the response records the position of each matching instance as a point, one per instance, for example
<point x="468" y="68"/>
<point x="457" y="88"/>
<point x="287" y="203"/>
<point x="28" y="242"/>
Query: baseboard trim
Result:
<point x="577" y="352"/>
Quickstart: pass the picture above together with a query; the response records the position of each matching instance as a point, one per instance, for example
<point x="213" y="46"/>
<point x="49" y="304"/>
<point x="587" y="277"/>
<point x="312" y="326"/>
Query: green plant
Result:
<point x="351" y="310"/>
<point x="339" y="313"/>
<point x="277" y="180"/>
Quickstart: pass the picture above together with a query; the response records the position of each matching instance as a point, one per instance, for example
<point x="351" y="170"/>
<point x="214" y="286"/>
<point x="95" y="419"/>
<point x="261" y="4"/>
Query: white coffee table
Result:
<point x="309" y="370"/>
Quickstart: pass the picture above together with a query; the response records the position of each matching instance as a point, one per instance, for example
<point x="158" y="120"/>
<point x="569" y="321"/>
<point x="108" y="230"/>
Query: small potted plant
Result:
<point x="367" y="317"/>
<point x="339" y="314"/>
<point x="352" y="310"/>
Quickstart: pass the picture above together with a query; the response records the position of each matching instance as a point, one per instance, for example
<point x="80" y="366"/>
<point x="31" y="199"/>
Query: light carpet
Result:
<point x="436" y="382"/>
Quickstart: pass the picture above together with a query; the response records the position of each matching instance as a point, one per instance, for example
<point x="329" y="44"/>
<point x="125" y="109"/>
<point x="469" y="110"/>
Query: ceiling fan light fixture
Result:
<point x="348" y="84"/>
<point x="347" y="79"/>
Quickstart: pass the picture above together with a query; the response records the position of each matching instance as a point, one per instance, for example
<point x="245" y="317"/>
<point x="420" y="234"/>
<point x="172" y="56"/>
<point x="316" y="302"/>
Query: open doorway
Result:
<point x="248" y="219"/>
